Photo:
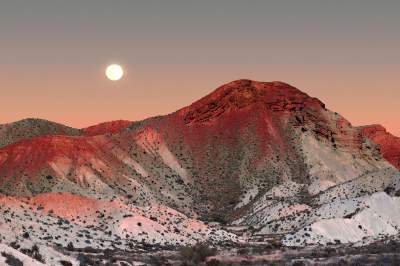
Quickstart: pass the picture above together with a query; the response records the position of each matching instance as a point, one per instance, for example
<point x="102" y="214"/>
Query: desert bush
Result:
<point x="70" y="246"/>
<point x="11" y="260"/>
<point x="65" y="263"/>
<point x="85" y="260"/>
<point x="298" y="263"/>
<point x="158" y="261"/>
<point x="194" y="255"/>
<point x="34" y="253"/>
<point x="25" y="235"/>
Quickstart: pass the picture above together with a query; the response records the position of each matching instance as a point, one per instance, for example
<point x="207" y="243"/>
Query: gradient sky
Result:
<point x="53" y="54"/>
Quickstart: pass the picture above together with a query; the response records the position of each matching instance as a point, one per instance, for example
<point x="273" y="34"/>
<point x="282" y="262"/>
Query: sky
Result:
<point x="53" y="54"/>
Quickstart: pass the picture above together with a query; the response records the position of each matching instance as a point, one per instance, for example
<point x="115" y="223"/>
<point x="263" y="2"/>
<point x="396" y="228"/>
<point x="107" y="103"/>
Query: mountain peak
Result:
<point x="275" y="96"/>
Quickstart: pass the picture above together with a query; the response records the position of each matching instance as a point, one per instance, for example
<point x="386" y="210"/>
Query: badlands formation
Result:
<point x="253" y="164"/>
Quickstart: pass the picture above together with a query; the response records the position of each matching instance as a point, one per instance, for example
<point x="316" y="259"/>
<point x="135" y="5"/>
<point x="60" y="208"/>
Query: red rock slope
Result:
<point x="389" y="144"/>
<point x="203" y="159"/>
<point x="111" y="127"/>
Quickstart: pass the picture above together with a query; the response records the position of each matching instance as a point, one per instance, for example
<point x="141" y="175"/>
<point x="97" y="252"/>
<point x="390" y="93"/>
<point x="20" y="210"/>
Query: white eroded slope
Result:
<point x="378" y="216"/>
<point x="65" y="219"/>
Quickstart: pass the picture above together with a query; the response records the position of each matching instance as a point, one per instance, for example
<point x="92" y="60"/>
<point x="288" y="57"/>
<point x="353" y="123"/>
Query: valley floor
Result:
<point x="385" y="251"/>
<point x="382" y="252"/>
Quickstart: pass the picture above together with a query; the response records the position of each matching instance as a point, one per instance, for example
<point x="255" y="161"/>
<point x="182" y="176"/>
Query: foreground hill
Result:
<point x="259" y="155"/>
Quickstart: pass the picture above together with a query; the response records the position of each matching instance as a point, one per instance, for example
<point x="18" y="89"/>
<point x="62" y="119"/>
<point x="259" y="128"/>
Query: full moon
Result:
<point x="114" y="72"/>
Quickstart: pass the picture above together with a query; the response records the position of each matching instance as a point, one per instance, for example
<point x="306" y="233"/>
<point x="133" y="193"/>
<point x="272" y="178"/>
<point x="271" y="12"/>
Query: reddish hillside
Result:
<point x="259" y="155"/>
<point x="389" y="144"/>
<point x="205" y="158"/>
<point x="111" y="127"/>
<point x="40" y="164"/>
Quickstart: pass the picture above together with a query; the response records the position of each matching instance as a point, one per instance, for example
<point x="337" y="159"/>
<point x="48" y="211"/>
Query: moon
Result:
<point x="114" y="72"/>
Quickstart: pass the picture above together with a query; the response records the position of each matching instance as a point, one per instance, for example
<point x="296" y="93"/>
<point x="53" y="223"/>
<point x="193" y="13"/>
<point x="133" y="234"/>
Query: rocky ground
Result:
<point x="37" y="231"/>
<point x="380" y="252"/>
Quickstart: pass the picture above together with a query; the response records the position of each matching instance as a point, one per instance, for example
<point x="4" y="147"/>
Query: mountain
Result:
<point x="259" y="155"/>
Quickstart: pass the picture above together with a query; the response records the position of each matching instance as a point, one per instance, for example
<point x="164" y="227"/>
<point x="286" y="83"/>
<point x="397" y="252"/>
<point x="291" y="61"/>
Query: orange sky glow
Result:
<point x="53" y="57"/>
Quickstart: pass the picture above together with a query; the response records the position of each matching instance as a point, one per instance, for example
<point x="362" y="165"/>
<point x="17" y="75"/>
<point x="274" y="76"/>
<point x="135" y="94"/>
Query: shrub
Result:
<point x="65" y="263"/>
<point x="197" y="253"/>
<point x="85" y="260"/>
<point x="11" y="260"/>
<point x="25" y="235"/>
<point x="70" y="246"/>
<point x="34" y="253"/>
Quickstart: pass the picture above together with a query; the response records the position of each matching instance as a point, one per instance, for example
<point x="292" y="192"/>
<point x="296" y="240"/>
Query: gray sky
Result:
<point x="53" y="54"/>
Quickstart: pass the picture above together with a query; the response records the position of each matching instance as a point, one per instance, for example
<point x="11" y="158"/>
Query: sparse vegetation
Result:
<point x="11" y="260"/>
<point x="194" y="255"/>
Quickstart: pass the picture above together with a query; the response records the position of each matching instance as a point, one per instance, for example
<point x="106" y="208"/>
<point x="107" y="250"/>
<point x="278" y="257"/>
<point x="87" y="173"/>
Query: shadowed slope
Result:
<point x="389" y="144"/>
